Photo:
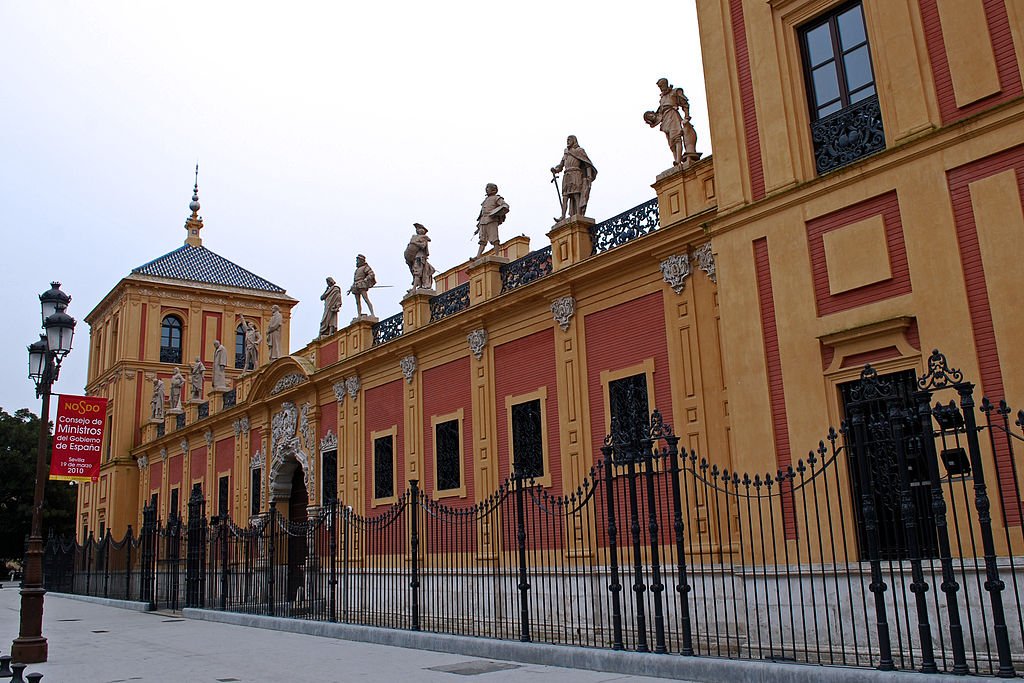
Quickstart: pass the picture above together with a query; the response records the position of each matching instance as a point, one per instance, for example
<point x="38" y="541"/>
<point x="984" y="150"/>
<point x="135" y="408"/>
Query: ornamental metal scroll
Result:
<point x="387" y="329"/>
<point x="449" y="303"/>
<point x="848" y="135"/>
<point x="527" y="269"/>
<point x="627" y="226"/>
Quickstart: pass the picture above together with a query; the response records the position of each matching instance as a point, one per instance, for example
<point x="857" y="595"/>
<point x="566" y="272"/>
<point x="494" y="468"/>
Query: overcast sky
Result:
<point x="322" y="130"/>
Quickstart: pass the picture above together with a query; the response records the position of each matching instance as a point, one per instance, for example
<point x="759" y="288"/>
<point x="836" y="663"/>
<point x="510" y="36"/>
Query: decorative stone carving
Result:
<point x="705" y="260"/>
<point x="252" y="344"/>
<point x="362" y="280"/>
<point x="679" y="132"/>
<point x="408" y="365"/>
<point x="163" y="454"/>
<point x="156" y="402"/>
<point x="675" y="269"/>
<point x="245" y="424"/>
<point x="339" y="392"/>
<point x="329" y="442"/>
<point x="579" y="174"/>
<point x="287" y="443"/>
<point x="477" y="341"/>
<point x="332" y="304"/>
<point x="417" y="253"/>
<point x="274" y="328"/>
<point x="198" y="377"/>
<point x="142" y="462"/>
<point x="287" y="382"/>
<point x="352" y="384"/>
<point x="220" y="366"/>
<point x="237" y="424"/>
<point x="208" y="435"/>
<point x="563" y="309"/>
<point x="305" y="428"/>
<point x="257" y="460"/>
<point x="184" y="445"/>
<point x="177" y="382"/>
<point x="493" y="210"/>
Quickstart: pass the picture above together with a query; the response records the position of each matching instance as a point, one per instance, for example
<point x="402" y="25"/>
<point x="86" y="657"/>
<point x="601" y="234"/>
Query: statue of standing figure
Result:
<point x="493" y="211"/>
<point x="252" y="344"/>
<point x="274" y="332"/>
<point x="579" y="174"/>
<point x="416" y="257"/>
<point x="198" y="377"/>
<point x="332" y="304"/>
<point x="157" y="400"/>
<point x="362" y="280"/>
<point x="177" y="382"/>
<point x="679" y="132"/>
<point x="220" y="365"/>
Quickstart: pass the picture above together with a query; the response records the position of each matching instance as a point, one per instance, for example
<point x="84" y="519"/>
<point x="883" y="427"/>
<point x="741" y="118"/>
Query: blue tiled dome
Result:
<point x="199" y="264"/>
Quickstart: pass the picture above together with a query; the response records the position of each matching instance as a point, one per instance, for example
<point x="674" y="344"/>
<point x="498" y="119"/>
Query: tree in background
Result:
<point x="19" y="439"/>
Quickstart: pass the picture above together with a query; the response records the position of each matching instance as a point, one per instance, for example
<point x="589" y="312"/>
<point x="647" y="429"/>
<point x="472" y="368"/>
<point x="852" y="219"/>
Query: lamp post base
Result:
<point x="30" y="649"/>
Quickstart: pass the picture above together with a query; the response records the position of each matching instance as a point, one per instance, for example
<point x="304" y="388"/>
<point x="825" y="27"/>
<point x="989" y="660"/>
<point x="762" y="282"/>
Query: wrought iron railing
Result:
<point x="449" y="303"/>
<point x="170" y="354"/>
<point x="160" y="429"/>
<point x="527" y="269"/>
<point x="848" y="135"/>
<point x="657" y="550"/>
<point x="204" y="410"/>
<point x="387" y="329"/>
<point x="627" y="226"/>
<point x="179" y="421"/>
<point x="230" y="398"/>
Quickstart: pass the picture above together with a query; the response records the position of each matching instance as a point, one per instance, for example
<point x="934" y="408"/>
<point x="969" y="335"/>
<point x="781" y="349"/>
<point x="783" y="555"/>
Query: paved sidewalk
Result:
<point x="97" y="644"/>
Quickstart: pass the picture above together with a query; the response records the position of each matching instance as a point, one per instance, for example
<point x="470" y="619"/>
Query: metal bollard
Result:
<point x="19" y="669"/>
<point x="34" y="677"/>
<point x="5" y="666"/>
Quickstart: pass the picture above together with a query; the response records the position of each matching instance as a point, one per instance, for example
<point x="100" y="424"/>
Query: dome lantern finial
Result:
<point x="194" y="223"/>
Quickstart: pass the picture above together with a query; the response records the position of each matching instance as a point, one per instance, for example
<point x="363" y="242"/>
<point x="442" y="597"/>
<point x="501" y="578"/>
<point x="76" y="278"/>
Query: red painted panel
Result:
<point x="142" y="334"/>
<point x="224" y="455"/>
<point x="621" y="336"/>
<point x="328" y="355"/>
<point x="174" y="470"/>
<point x="1002" y="47"/>
<point x="138" y="413"/>
<point x="886" y="205"/>
<point x="156" y="476"/>
<point x="207" y="345"/>
<point x="446" y="388"/>
<point x="978" y="300"/>
<point x="858" y="360"/>
<point x="255" y="444"/>
<point x="384" y="408"/>
<point x="773" y="364"/>
<point x="752" y="136"/>
<point x="520" y="367"/>
<point x="197" y="463"/>
<point x="328" y="418"/>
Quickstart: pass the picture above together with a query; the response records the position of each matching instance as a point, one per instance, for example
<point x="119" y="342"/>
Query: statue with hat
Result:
<point x="416" y="257"/>
<point x="332" y="304"/>
<point x="493" y="210"/>
<point x="679" y="132"/>
<point x="362" y="280"/>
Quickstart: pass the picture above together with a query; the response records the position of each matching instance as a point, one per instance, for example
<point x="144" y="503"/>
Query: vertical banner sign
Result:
<point x="78" y="438"/>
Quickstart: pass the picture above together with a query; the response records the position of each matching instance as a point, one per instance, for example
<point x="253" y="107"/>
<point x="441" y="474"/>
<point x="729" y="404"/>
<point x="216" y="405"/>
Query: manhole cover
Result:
<point x="474" y="668"/>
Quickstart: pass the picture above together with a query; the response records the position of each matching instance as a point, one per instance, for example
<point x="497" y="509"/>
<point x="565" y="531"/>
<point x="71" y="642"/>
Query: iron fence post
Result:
<point x="615" y="586"/>
<point x="683" y="586"/>
<point x="224" y="572"/>
<point x="638" y="564"/>
<point x="332" y="542"/>
<point x="106" y="564"/>
<point x="414" y="548"/>
<point x="524" y="582"/>
<point x="346" y="522"/>
<point x="652" y="528"/>
<point x="993" y="583"/>
<point x="877" y="585"/>
<point x="270" y="557"/>
<point x="129" y="537"/>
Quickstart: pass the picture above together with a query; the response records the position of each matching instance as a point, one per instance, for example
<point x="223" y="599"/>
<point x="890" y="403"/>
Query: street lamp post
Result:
<point x="44" y="359"/>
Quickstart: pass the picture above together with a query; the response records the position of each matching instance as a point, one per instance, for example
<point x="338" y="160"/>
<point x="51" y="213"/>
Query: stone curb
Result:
<point x="704" y="669"/>
<point x="106" y="602"/>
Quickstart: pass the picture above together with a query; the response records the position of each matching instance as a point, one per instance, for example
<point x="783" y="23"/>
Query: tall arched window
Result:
<point x="240" y="347"/>
<point x="170" y="339"/>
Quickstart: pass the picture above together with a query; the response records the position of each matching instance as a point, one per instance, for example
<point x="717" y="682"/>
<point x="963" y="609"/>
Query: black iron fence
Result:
<point x="657" y="549"/>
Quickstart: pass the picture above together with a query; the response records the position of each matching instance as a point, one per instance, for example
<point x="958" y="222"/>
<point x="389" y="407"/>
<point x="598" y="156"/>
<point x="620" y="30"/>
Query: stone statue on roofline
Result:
<point x="493" y="210"/>
<point x="362" y="281"/>
<point x="417" y="254"/>
<point x="177" y="382"/>
<point x="679" y="132"/>
<point x="198" y="377"/>
<point x="157" y="401"/>
<point x="252" y="344"/>
<point x="332" y="304"/>
<point x="274" y="332"/>
<point x="220" y="365"/>
<point x="579" y="173"/>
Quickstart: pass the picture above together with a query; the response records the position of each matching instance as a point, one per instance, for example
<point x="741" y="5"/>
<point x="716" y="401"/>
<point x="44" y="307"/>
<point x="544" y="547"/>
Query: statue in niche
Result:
<point x="252" y="344"/>
<point x="177" y="382"/>
<point x="579" y="174"/>
<point x="493" y="210"/>
<point x="274" y="332"/>
<point x="679" y="132"/>
<point x="332" y="304"/>
<point x="362" y="280"/>
<point x="220" y="365"/>
<point x="417" y="254"/>
<point x="198" y="377"/>
<point x="157" y="400"/>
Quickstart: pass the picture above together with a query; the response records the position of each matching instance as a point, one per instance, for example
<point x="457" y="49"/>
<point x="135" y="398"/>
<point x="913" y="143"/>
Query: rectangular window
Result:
<point x="256" y="477"/>
<point x="328" y="476"/>
<point x="448" y="454"/>
<point x="882" y="475"/>
<point x="629" y="409"/>
<point x="110" y="435"/>
<point x="528" y="439"/>
<point x="384" y="467"/>
<point x="173" y="509"/>
<point x="153" y="501"/>
<point x="222" y="495"/>
<point x="840" y="82"/>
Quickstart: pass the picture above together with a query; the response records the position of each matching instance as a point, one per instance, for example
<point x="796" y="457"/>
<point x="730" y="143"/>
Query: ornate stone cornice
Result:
<point x="408" y="365"/>
<point x="675" y="269"/>
<point x="563" y="309"/>
<point x="477" y="340"/>
<point x="705" y="260"/>
<point x="352" y="384"/>
<point x="287" y="382"/>
<point x="257" y="460"/>
<point x="329" y="442"/>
